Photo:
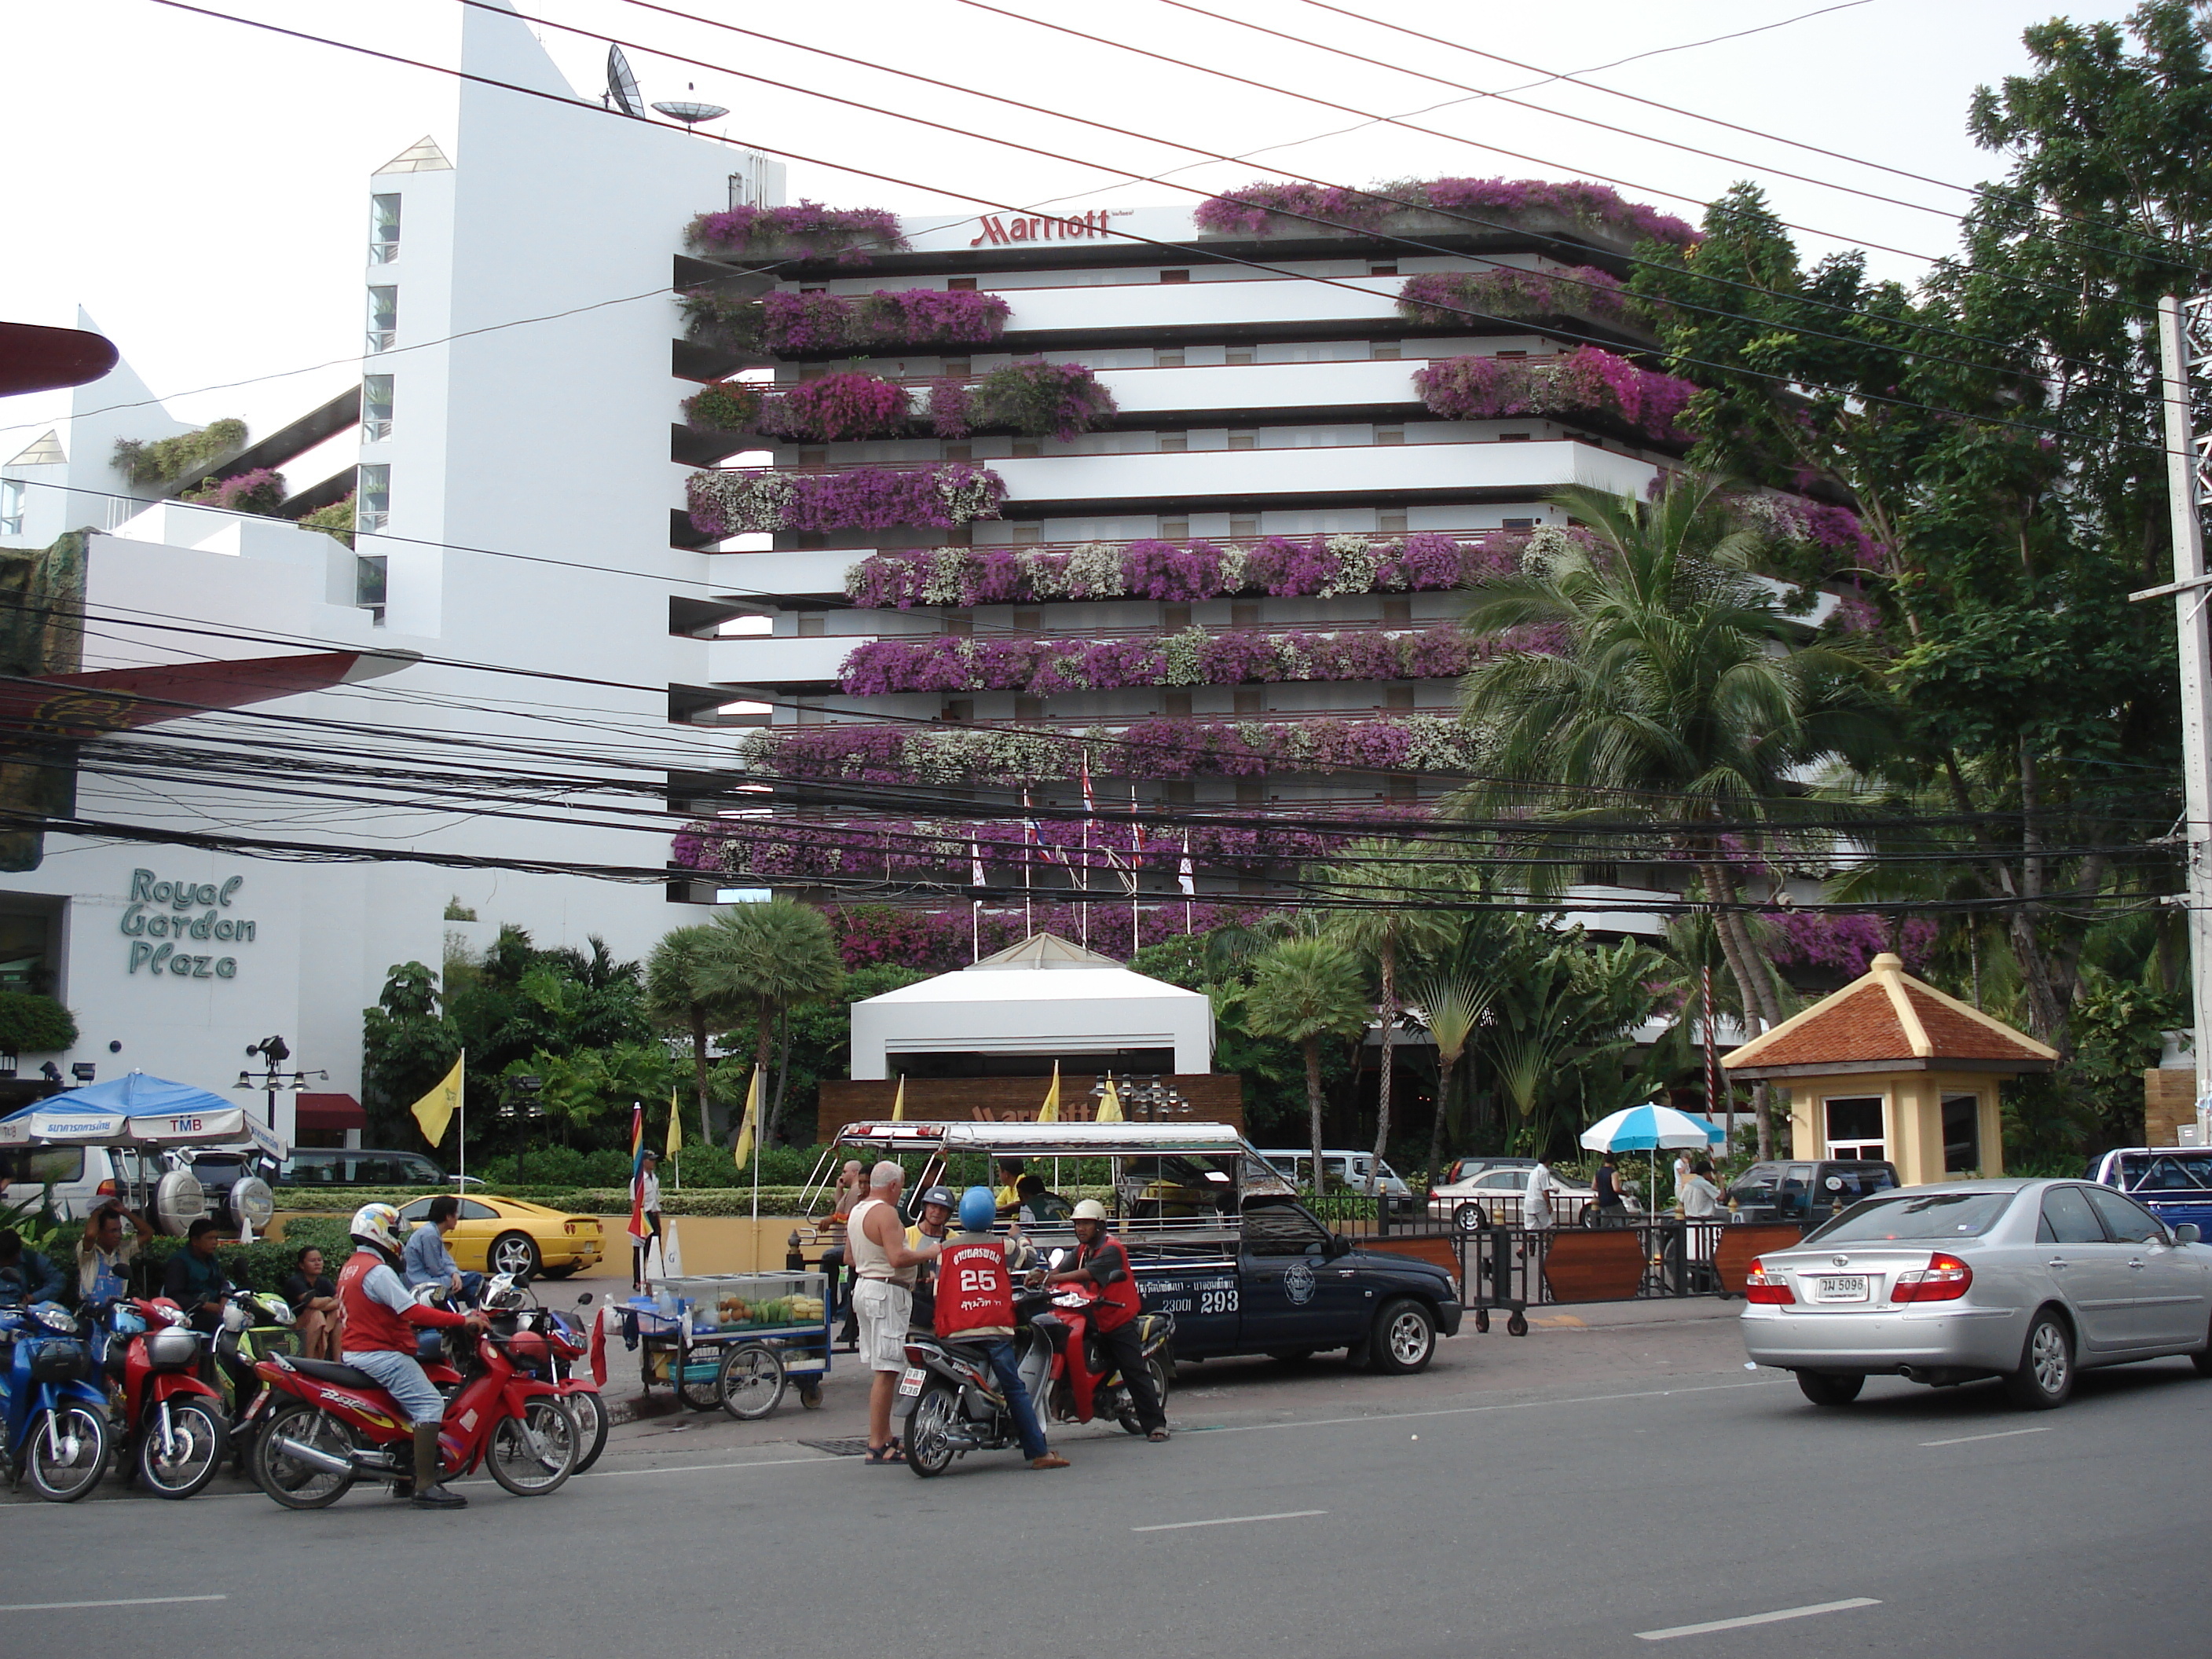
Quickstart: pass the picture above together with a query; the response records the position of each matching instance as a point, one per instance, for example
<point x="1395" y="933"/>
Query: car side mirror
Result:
<point x="2187" y="1233"/>
<point x="1339" y="1245"/>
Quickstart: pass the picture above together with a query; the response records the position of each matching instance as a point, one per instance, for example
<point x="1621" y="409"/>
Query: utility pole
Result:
<point x="2183" y="349"/>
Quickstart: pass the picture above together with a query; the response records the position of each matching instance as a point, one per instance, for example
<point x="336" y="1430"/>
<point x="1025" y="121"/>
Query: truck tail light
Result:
<point x="1771" y="1289"/>
<point x="1944" y="1279"/>
<point x="109" y="1189"/>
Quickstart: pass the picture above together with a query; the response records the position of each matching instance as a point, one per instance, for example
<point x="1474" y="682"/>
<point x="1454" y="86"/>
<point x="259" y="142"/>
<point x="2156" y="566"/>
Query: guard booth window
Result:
<point x="1962" y="1133"/>
<point x="1855" y="1128"/>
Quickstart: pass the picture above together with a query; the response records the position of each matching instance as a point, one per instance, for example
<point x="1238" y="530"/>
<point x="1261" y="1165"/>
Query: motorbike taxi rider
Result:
<point x="380" y="1323"/>
<point x="975" y="1306"/>
<point x="1101" y="1259"/>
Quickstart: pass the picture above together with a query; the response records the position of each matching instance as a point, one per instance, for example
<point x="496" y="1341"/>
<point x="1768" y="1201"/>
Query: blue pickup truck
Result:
<point x="2175" y="1183"/>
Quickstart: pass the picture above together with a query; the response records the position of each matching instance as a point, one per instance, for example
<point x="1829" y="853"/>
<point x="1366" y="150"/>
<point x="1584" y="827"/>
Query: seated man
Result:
<point x="1039" y="1207"/>
<point x="426" y="1260"/>
<point x="195" y="1280"/>
<point x="26" y="1275"/>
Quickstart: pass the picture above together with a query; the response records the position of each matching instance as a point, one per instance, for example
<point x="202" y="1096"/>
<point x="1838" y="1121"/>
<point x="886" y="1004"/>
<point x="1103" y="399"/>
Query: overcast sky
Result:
<point x="201" y="187"/>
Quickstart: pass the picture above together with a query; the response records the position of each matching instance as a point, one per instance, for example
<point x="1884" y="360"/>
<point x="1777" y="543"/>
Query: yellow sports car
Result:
<point x="507" y="1236"/>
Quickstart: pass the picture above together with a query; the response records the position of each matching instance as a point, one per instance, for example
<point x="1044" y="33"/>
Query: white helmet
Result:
<point x="377" y="1225"/>
<point x="1090" y="1209"/>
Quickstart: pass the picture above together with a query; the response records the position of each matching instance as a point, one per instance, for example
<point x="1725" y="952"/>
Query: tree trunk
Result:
<point x="764" y="1039"/>
<point x="1388" y="956"/>
<point x="1445" y="1068"/>
<point x="699" y="1068"/>
<point x="782" y="1067"/>
<point x="1754" y="988"/>
<point x="1312" y="1046"/>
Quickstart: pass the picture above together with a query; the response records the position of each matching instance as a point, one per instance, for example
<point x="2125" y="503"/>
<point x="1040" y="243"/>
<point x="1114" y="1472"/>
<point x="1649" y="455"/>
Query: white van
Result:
<point x="1348" y="1170"/>
<point x="83" y="1177"/>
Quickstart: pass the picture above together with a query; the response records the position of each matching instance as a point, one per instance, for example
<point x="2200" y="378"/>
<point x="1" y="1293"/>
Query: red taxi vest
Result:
<point x="370" y="1326"/>
<point x="973" y="1292"/>
<point x="1121" y="1301"/>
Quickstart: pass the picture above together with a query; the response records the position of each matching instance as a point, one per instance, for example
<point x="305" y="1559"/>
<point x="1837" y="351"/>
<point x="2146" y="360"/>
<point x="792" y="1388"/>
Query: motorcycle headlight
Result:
<point x="55" y="1317"/>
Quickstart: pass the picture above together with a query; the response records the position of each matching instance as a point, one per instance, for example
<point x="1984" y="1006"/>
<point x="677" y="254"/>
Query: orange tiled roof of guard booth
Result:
<point x="1888" y="1015"/>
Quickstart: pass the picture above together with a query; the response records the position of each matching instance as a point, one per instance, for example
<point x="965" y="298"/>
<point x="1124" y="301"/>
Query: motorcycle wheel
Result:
<point x="195" y="1451"/>
<point x="82" y="1456"/>
<point x="296" y="1485"/>
<point x="592" y="1422"/>
<point x="1131" y="1424"/>
<point x="929" y="1431"/>
<point x="535" y="1453"/>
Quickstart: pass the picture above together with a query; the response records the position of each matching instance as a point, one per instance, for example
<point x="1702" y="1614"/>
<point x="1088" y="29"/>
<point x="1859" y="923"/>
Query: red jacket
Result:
<point x="973" y="1290"/>
<point x="370" y="1326"/>
<point x="1108" y="1264"/>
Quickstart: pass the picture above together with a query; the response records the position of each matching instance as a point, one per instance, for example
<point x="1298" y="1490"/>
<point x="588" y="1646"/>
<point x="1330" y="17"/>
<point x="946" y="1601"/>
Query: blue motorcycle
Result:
<point x="55" y="1416"/>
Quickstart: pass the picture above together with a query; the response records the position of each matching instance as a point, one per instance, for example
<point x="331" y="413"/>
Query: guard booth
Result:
<point x="1890" y="1068"/>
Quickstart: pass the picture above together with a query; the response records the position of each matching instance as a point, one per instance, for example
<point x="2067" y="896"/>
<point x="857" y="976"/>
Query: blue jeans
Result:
<point x="403" y="1379"/>
<point x="1006" y="1369"/>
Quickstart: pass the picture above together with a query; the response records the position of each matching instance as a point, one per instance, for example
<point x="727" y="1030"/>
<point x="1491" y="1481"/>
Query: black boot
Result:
<point x="429" y="1493"/>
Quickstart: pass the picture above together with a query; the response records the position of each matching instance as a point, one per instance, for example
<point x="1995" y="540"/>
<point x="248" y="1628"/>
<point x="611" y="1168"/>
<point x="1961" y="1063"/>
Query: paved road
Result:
<point x="1564" y="1495"/>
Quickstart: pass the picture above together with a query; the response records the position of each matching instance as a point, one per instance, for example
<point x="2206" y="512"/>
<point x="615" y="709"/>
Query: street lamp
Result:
<point x="274" y="1051"/>
<point x="521" y="1108"/>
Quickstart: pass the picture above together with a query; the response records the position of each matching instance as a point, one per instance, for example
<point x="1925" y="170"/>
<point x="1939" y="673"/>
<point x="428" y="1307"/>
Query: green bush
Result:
<point x="166" y="458"/>
<point x="33" y="1024"/>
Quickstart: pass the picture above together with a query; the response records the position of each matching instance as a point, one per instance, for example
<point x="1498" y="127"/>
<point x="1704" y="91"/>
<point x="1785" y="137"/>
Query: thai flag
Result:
<point x="638" y="1230"/>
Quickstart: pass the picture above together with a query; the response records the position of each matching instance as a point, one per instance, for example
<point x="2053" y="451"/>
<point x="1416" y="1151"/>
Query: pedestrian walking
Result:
<point x="1700" y="1195"/>
<point x="1536" y="1197"/>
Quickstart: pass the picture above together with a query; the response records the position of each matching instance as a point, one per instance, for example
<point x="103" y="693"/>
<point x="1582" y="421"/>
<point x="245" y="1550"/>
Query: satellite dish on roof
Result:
<point x="622" y="85"/>
<point x="689" y="112"/>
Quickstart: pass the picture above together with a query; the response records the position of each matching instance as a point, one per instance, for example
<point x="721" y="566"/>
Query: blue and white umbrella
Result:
<point x="1648" y="1128"/>
<point x="138" y="1110"/>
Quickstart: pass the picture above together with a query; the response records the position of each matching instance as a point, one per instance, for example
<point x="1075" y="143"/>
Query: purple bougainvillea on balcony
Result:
<point x="735" y="502"/>
<point x="802" y="324"/>
<point x="1267" y="207"/>
<point x="1318" y="566"/>
<point x="1039" y="400"/>
<point x="806" y="228"/>
<point x="261" y="490"/>
<point x="1583" y="381"/>
<point x="837" y="408"/>
<point x="1449" y="298"/>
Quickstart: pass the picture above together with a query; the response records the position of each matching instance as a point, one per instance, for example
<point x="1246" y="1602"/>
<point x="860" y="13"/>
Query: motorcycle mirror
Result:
<point x="584" y="1300"/>
<point x="1058" y="1260"/>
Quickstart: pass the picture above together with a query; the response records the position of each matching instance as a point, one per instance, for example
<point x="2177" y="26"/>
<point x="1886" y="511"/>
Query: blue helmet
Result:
<point x="978" y="1209"/>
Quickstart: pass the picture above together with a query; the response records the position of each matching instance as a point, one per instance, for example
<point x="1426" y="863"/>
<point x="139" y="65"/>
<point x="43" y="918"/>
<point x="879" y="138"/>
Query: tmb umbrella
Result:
<point x="138" y="1110"/>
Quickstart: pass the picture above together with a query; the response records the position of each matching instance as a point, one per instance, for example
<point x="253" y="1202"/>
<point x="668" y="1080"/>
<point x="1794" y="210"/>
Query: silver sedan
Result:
<point x="2032" y="1281"/>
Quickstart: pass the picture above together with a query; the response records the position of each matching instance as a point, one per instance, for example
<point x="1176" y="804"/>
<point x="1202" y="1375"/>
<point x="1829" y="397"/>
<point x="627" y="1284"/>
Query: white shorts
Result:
<point x="884" y="1310"/>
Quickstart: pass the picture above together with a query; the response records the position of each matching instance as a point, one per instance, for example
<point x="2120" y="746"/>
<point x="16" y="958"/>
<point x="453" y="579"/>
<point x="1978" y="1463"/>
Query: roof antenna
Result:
<point x="621" y="86"/>
<point x="689" y="112"/>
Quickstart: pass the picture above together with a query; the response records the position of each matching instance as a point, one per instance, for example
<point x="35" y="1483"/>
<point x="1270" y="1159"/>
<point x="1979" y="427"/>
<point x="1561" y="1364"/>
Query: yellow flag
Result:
<point x="1109" y="1105"/>
<point x="675" y="1126"/>
<point x="743" y="1154"/>
<point x="898" y="1102"/>
<point x="436" y="1110"/>
<point x="1049" y="1113"/>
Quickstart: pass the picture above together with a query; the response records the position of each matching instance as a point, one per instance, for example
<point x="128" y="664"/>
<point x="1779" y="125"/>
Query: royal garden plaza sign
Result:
<point x="180" y="914"/>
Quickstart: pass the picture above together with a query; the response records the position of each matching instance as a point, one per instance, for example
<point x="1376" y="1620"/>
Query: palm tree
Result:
<point x="771" y="956"/>
<point x="680" y="990"/>
<point x="1681" y="700"/>
<point x="1451" y="1003"/>
<point x="1304" y="990"/>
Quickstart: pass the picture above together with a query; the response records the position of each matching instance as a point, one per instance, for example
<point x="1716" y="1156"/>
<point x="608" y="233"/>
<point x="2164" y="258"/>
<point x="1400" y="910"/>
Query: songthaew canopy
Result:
<point x="1041" y="1000"/>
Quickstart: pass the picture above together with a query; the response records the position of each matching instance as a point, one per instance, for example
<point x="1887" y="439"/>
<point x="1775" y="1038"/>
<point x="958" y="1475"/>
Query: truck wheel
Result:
<point x="1830" y="1388"/>
<point x="1405" y="1339"/>
<point x="2044" y="1380"/>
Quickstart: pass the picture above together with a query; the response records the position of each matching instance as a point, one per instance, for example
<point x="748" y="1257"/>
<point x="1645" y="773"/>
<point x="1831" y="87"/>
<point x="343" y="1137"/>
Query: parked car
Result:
<point x="1463" y="1170"/>
<point x="84" y="1177"/>
<point x="362" y="1166"/>
<point x="1346" y="1169"/>
<point x="1492" y="1198"/>
<point x="2175" y="1184"/>
<point x="2031" y="1282"/>
<point x="508" y="1235"/>
<point x="1807" y="1192"/>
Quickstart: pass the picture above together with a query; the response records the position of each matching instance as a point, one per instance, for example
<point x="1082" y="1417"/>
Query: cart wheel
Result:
<point x="1482" y="1319"/>
<point x="695" y="1383"/>
<point x="749" y="1380"/>
<point x="810" y="1395"/>
<point x="1516" y="1324"/>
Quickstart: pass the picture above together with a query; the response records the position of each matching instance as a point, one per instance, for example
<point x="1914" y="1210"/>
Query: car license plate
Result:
<point x="1832" y="1289"/>
<point x="911" y="1383"/>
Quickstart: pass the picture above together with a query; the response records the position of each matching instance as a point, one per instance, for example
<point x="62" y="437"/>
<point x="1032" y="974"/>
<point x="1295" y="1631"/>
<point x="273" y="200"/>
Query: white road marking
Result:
<point x="1756" y="1618"/>
<point x="125" y="1601"/>
<point x="693" y="1469"/>
<point x="1968" y="1439"/>
<point x="1231" y="1521"/>
<point x="1470" y="1411"/>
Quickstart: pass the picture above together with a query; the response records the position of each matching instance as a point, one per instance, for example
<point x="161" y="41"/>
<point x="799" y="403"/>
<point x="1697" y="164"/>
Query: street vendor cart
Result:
<point x="736" y="1340"/>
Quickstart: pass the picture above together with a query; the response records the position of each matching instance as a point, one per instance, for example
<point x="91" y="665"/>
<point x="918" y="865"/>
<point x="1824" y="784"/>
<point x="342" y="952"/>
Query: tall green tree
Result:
<point x="684" y="993"/>
<point x="1451" y="1002"/>
<point x="1681" y="699"/>
<point x="1388" y="916"/>
<point x="407" y="1043"/>
<point x="1306" y="991"/>
<point x="773" y="957"/>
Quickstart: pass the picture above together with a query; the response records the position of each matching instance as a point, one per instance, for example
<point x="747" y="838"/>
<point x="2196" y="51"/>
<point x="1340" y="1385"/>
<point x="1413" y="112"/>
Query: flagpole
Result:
<point x="1029" y="854"/>
<point x="1136" y="846"/>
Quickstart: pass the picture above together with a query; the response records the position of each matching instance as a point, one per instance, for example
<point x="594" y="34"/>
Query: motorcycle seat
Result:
<point x="329" y="1370"/>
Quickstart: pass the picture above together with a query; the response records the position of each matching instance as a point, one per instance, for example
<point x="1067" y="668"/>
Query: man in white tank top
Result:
<point x="875" y="1240"/>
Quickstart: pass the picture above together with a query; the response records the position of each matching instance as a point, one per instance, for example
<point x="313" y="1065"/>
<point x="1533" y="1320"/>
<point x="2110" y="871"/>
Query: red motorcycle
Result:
<point x="576" y="1374"/>
<point x="172" y="1421"/>
<point x="329" y="1425"/>
<point x="1084" y="1382"/>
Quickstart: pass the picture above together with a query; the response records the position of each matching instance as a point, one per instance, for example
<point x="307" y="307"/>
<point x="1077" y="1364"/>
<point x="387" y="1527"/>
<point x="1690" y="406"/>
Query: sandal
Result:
<point x="890" y="1453"/>
<point x="1157" y="1435"/>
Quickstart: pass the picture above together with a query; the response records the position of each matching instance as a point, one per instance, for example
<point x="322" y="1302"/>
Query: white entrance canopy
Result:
<point x="1044" y="997"/>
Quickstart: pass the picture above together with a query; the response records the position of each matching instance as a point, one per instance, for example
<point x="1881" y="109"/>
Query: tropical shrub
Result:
<point x="805" y="324"/>
<point x="837" y="407"/>
<point x="335" y="520"/>
<point x="806" y="229"/>
<point x="725" y="406"/>
<point x="261" y="490"/>
<point x="735" y="503"/>
<point x="732" y="322"/>
<point x="1266" y="207"/>
<point x="1583" y="381"/>
<point x="1443" y="298"/>
<point x="1040" y="400"/>
<point x="31" y="1024"/>
<point x="167" y="458"/>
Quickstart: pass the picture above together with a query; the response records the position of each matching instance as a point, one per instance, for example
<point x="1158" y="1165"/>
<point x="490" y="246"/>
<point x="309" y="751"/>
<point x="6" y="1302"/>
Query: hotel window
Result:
<point x="1385" y="351"/>
<point x="1243" y="440"/>
<point x="383" y="318"/>
<point x="960" y="623"/>
<point x="1512" y="354"/>
<point x="1390" y="435"/>
<point x="1518" y="523"/>
<point x="383" y="229"/>
<point x="960" y="708"/>
<point x="1244" y="529"/>
<point x="810" y="624"/>
<point x="1179" y="791"/>
<point x="1239" y="357"/>
<point x="370" y="577"/>
<point x="959" y="452"/>
<point x="960" y="284"/>
<point x="1174" y="617"/>
<point x="1028" y="621"/>
<point x="814" y="458"/>
<point x="376" y="408"/>
<point x="372" y="504"/>
<point x="1176" y="705"/>
<point x="1026" y="533"/>
<point x="1398" y="613"/>
<point x="1390" y="523"/>
<point x="1249" y="793"/>
<point x="1244" y="613"/>
<point x="1398" y="698"/>
<point x="1174" y="275"/>
<point x="1404" y="791"/>
<point x="1175" y="530"/>
<point x="1167" y="360"/>
<point x="1174" y="443"/>
<point x="12" y="491"/>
